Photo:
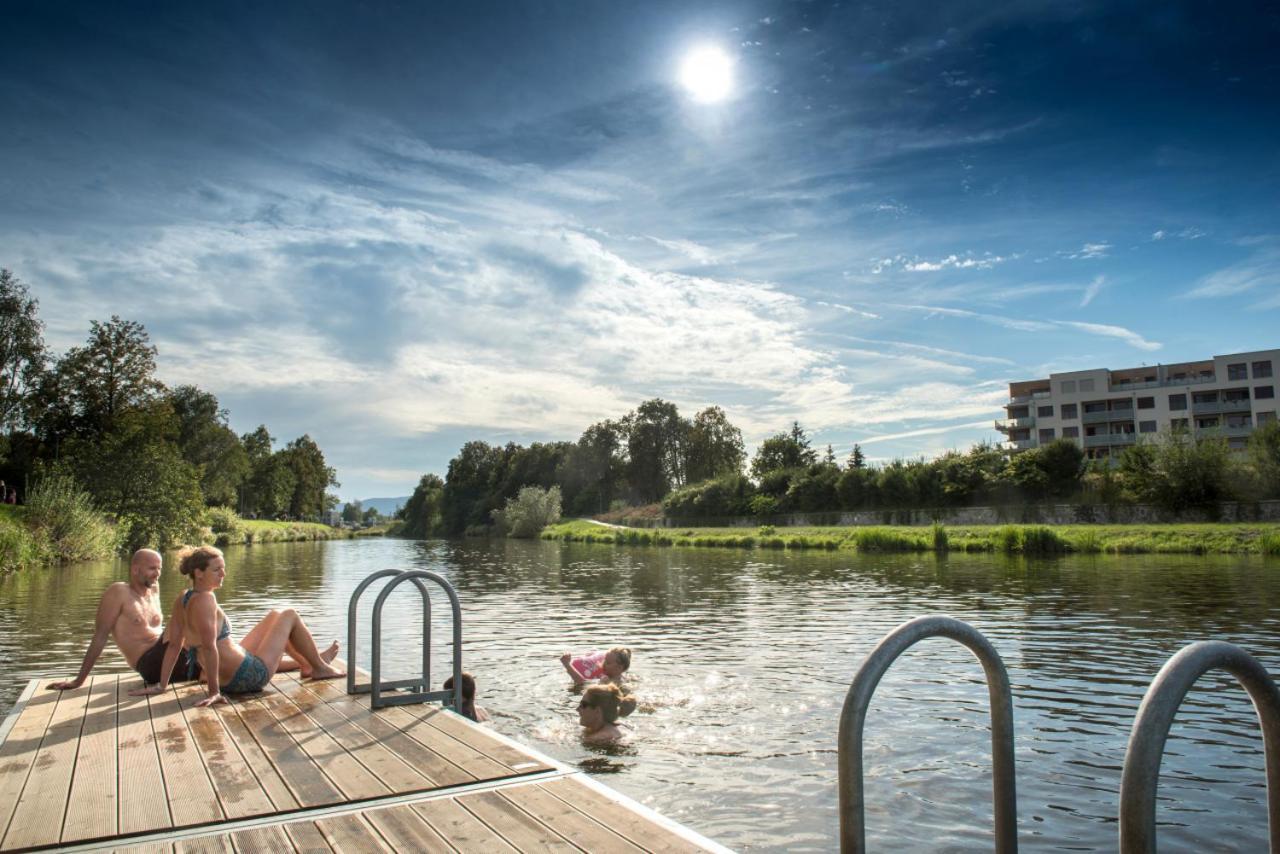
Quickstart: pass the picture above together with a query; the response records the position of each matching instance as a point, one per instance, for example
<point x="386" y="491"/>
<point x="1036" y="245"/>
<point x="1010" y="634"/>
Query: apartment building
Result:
<point x="1106" y="411"/>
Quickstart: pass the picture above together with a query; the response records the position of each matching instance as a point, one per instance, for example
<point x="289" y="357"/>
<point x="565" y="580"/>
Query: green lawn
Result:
<point x="1234" y="538"/>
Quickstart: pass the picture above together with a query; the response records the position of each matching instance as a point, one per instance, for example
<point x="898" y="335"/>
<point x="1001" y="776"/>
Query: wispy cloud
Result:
<point x="1088" y="251"/>
<point x="924" y="431"/>
<point x="1024" y="325"/>
<point x="1092" y="290"/>
<point x="1259" y="272"/>
<point x="1128" y="336"/>
<point x="965" y="261"/>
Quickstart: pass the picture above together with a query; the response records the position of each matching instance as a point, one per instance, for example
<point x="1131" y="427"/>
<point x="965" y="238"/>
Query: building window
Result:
<point x="1237" y="443"/>
<point x="1069" y="410"/>
<point x="1178" y="401"/>
<point x="1261" y="370"/>
<point x="1086" y="385"/>
<point x="1146" y="403"/>
<point x="1237" y="372"/>
<point x="1207" y="423"/>
<point x="1074" y="432"/>
<point x="1264" y="418"/>
<point x="1146" y="426"/>
<point x="1264" y="392"/>
<point x="1068" y="386"/>
<point x="1179" y="423"/>
<point x="1044" y="412"/>
<point x="1096" y="406"/>
<point x="1046" y="434"/>
<point x="1122" y="406"/>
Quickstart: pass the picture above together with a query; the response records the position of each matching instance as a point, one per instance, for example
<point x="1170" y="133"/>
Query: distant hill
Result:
<point x="385" y="506"/>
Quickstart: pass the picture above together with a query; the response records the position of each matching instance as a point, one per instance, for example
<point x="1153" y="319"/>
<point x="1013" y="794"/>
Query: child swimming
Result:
<point x="469" y="708"/>
<point x="598" y="712"/>
<point x="598" y="666"/>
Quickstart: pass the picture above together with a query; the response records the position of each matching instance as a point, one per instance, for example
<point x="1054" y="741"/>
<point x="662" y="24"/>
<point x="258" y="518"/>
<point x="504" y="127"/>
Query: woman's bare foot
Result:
<point x="326" y="655"/>
<point x="326" y="672"/>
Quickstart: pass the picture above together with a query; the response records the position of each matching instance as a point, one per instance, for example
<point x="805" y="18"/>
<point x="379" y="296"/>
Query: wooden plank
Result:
<point x="518" y="828"/>
<point x="352" y="779"/>
<point x="578" y="827"/>
<point x="350" y="833"/>
<point x="392" y="770"/>
<point x="305" y="780"/>
<point x="238" y="790"/>
<point x="466" y="746"/>
<point x="37" y="820"/>
<point x="461" y="828"/>
<point x="93" y="811"/>
<point x="271" y="839"/>
<point x="476" y="736"/>
<point x="192" y="799"/>
<point x="218" y="844"/>
<point x="259" y="763"/>
<point x="143" y="805"/>
<point x="435" y="768"/>
<point x="404" y="829"/>
<point x="18" y="753"/>
<point x="307" y="838"/>
<point x="146" y="848"/>
<point x="631" y="825"/>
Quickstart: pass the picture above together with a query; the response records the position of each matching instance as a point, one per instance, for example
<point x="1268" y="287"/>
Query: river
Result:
<point x="742" y="660"/>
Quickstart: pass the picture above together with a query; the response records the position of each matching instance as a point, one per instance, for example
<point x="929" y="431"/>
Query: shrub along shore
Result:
<point x="1009" y="539"/>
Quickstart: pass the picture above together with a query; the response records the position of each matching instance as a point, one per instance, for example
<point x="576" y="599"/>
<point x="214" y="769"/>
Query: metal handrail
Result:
<point x="377" y="698"/>
<point x="352" y="687"/>
<point x="853" y="717"/>
<point x="1141" y="775"/>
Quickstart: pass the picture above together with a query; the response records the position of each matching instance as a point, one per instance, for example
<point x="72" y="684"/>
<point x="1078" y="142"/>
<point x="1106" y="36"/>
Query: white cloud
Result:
<point x="1088" y="251"/>
<point x="926" y="431"/>
<point x="1258" y="272"/>
<point x="1092" y="290"/>
<point x="1158" y="235"/>
<point x="956" y="262"/>
<point x="1128" y="336"/>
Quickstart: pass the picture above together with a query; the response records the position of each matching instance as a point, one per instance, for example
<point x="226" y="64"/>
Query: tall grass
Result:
<point x="1270" y="544"/>
<point x="18" y="549"/>
<point x="63" y="517"/>
<point x="883" y="540"/>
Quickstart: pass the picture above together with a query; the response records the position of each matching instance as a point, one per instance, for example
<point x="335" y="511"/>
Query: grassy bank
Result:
<point x="1015" y="539"/>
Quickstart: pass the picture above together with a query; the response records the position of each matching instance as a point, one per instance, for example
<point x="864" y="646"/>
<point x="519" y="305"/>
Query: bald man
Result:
<point x="129" y="612"/>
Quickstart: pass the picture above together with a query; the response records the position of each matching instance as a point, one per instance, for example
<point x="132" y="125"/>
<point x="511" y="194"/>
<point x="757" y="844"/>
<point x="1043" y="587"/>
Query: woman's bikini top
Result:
<point x="224" y="631"/>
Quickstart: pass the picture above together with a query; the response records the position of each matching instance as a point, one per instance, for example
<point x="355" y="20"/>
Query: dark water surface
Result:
<point x="742" y="661"/>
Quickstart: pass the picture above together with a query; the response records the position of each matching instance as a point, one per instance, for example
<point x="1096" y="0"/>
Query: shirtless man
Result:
<point x="130" y="613"/>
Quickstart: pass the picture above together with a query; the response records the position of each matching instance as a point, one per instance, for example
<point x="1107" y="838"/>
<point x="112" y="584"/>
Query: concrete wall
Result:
<point x="1044" y="514"/>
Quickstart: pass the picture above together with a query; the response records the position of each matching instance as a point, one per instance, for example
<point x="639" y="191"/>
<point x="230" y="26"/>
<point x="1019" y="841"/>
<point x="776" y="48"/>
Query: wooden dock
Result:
<point x="301" y="767"/>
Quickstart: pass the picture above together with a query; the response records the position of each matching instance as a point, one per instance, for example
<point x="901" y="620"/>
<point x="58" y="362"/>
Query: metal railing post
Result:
<point x="853" y="717"/>
<point x="352" y="687"/>
<point x="377" y="698"/>
<point x="1141" y="775"/>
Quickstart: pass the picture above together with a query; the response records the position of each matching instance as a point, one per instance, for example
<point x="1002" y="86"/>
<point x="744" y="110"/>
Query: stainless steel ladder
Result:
<point x="393" y="692"/>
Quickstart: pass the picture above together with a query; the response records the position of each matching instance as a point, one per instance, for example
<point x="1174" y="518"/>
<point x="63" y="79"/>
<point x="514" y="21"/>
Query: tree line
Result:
<point x="696" y="469"/>
<point x="151" y="457"/>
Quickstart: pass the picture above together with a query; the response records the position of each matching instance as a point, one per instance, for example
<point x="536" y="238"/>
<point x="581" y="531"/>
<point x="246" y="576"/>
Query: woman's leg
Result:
<point x="292" y="659"/>
<point x="288" y="630"/>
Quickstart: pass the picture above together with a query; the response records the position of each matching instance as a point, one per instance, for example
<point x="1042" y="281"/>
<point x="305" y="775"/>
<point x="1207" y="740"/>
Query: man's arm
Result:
<point x="109" y="608"/>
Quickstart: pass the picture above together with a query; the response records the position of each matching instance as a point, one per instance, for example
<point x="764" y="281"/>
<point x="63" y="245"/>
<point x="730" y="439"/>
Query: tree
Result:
<point x="352" y="511"/>
<point x="656" y="440"/>
<point x="371" y="516"/>
<point x="714" y="448"/>
<point x="783" y="451"/>
<point x="593" y="471"/>
<point x="114" y="372"/>
<point x="857" y="460"/>
<point x="532" y="509"/>
<point x="1264" y="459"/>
<point x="468" y="487"/>
<point x="208" y="443"/>
<point x="268" y="490"/>
<point x="1063" y="462"/>
<point x="312" y="478"/>
<point x="422" y="512"/>
<point x="22" y="352"/>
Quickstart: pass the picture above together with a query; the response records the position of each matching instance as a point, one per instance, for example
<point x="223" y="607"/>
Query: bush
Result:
<point x="225" y="526"/>
<point x="880" y="540"/>
<point x="1271" y="544"/>
<point x="63" y="516"/>
<point x="1041" y="540"/>
<point x="940" y="543"/>
<point x="18" y="549"/>
<point x="533" y="509"/>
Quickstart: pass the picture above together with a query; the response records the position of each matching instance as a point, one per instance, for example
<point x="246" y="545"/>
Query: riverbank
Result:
<point x="1231" y="538"/>
<point x="258" y="531"/>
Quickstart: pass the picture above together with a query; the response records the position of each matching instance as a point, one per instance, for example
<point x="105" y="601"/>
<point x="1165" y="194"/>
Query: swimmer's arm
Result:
<point x="109" y="608"/>
<point x="577" y="677"/>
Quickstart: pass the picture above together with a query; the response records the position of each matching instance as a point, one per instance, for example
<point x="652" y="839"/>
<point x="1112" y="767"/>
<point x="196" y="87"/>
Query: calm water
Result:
<point x="742" y="661"/>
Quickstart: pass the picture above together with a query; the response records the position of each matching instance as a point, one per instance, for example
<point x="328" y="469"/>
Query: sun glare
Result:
<point x="707" y="73"/>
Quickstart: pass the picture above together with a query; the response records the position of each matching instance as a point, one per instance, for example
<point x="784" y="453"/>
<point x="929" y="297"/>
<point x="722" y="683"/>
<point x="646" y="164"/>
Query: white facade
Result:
<point x="1106" y="411"/>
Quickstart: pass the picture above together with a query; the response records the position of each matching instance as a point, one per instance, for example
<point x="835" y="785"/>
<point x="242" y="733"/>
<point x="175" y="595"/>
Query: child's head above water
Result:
<point x="609" y="700"/>
<point x="617" y="661"/>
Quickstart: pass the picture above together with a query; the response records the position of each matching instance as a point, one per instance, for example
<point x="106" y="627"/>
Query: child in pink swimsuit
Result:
<point x="598" y="666"/>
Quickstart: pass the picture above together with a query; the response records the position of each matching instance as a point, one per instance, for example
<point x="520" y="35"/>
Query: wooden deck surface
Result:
<point x="301" y="767"/>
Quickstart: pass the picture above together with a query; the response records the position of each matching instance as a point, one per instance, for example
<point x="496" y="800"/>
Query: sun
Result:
<point x="707" y="74"/>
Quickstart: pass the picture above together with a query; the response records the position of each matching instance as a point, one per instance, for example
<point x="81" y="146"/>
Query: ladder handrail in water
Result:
<point x="377" y="699"/>
<point x="1141" y="774"/>
<point x="422" y="684"/>
<point x="853" y="717"/>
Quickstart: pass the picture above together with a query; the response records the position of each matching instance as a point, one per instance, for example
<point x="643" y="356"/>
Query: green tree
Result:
<point x="1264" y="459"/>
<point x="352" y="511"/>
<point x="469" y="486"/>
<point x="857" y="460"/>
<point x="112" y="373"/>
<point x="268" y="490"/>
<point x="371" y="516"/>
<point x="783" y="451"/>
<point x="593" y="472"/>
<point x="22" y="352"/>
<point x="656" y="440"/>
<point x="422" y="512"/>
<point x="1179" y="471"/>
<point x="208" y="443"/>
<point x="714" y="448"/>
<point x="531" y="510"/>
<point x="1063" y="462"/>
<point x="312" y="478"/>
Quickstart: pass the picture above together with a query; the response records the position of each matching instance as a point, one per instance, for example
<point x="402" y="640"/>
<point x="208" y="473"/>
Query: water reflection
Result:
<point x="743" y="659"/>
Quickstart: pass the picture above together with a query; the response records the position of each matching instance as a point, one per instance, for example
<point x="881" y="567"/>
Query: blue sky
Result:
<point x="400" y="226"/>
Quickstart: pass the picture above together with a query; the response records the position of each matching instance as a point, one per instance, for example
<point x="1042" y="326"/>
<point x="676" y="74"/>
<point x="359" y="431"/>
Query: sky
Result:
<point x="398" y="227"/>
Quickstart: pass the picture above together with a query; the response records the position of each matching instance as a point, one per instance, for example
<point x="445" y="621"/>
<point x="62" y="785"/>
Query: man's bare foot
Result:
<point x="327" y="673"/>
<point x="326" y="655"/>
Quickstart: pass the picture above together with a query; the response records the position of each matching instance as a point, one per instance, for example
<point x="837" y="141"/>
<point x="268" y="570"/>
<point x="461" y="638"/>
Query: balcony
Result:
<point x="1221" y="406"/>
<point x="1024" y="423"/>
<point x="1122" y="415"/>
<point x="1022" y="445"/>
<point x="1105" y="440"/>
